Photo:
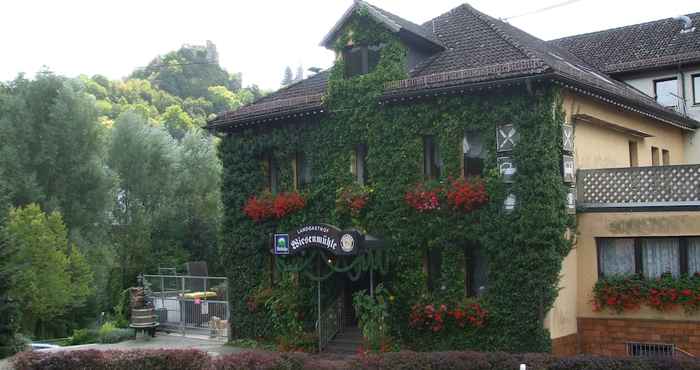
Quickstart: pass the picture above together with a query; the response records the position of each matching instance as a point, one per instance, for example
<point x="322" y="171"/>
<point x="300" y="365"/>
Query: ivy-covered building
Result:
<point x="435" y="166"/>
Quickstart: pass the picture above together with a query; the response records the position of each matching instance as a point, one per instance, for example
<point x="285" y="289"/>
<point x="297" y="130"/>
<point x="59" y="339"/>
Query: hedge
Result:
<point x="197" y="360"/>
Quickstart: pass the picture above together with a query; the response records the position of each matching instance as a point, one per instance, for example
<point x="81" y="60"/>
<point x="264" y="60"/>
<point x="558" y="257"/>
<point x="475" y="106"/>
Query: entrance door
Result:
<point x="349" y="289"/>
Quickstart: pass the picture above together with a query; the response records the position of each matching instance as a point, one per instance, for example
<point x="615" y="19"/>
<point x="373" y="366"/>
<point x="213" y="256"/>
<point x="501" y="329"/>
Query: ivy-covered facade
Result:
<point x="459" y="175"/>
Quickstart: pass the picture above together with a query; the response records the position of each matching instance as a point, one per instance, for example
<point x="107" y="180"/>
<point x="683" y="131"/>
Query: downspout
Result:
<point x="682" y="77"/>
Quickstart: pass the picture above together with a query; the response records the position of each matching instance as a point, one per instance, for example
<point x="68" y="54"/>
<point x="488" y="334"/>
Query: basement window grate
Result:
<point x="650" y="349"/>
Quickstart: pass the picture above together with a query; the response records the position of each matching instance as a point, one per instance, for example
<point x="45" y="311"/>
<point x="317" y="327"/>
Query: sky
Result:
<point x="258" y="38"/>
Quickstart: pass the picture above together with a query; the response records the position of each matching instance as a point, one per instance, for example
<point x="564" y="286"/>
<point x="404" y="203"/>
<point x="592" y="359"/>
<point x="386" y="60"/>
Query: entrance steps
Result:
<point x="347" y="342"/>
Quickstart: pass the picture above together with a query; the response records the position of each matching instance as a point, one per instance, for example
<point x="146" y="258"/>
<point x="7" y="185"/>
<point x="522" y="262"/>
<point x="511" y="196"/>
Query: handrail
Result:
<point x="331" y="323"/>
<point x="683" y="353"/>
<point x="639" y="187"/>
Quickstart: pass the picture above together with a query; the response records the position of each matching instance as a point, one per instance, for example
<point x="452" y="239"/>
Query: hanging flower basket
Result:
<point x="268" y="206"/>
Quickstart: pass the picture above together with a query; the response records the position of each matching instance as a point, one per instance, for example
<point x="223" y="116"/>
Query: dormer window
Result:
<point x="360" y="60"/>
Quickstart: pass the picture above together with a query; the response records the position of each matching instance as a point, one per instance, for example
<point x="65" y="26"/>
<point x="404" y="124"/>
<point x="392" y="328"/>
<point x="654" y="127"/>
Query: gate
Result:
<point x="191" y="305"/>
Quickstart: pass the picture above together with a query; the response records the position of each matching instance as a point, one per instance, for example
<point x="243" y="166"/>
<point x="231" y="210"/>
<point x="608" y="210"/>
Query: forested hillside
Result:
<point x="101" y="180"/>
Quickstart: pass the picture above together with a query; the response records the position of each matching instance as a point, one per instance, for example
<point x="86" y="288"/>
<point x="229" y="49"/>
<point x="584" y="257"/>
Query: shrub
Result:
<point x="83" y="336"/>
<point x="406" y="360"/>
<point x="113" y="360"/>
<point x="117" y="335"/>
<point x="247" y="360"/>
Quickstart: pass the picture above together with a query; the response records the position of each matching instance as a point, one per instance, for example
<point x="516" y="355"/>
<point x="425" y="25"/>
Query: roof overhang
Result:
<point x="610" y="125"/>
<point x="659" y="114"/>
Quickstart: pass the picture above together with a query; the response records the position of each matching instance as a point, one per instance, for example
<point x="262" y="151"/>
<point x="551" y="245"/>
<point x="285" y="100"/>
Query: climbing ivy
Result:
<point x="525" y="248"/>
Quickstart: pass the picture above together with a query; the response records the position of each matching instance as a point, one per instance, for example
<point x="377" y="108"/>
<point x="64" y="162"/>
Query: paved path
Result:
<point x="161" y="341"/>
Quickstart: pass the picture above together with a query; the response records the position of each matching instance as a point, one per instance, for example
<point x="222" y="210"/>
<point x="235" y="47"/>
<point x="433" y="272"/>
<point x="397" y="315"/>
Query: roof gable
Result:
<point x="405" y="29"/>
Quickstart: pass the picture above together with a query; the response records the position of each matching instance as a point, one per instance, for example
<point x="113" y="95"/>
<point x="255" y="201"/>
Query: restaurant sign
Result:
<point x="318" y="236"/>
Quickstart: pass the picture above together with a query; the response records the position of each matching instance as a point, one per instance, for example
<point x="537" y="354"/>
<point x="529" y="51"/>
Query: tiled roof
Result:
<point x="637" y="47"/>
<point x="480" y="49"/>
<point x="298" y="98"/>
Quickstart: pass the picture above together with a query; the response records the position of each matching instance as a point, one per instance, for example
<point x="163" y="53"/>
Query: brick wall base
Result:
<point x="608" y="336"/>
<point x="565" y="346"/>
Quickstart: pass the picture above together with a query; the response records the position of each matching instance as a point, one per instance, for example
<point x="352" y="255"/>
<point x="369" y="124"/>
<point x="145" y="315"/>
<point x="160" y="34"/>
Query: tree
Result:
<point x="288" y="76"/>
<point x="51" y="149"/>
<point x="224" y="99"/>
<point x="9" y="310"/>
<point x="300" y="74"/>
<point x="143" y="157"/>
<point x="53" y="276"/>
<point x="177" y="121"/>
<point x="197" y="193"/>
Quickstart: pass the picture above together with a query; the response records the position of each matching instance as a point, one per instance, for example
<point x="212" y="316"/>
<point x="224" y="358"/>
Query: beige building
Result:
<point x="659" y="58"/>
<point x="633" y="186"/>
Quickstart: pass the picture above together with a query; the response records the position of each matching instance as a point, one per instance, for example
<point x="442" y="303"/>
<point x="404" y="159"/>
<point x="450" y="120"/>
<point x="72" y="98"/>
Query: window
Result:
<point x="477" y="271"/>
<point x="693" y="245"/>
<point x="302" y="171"/>
<point x="666" y="91"/>
<point x="432" y="164"/>
<point x="360" y="60"/>
<point x="272" y="173"/>
<point x="634" y="161"/>
<point x="659" y="256"/>
<point x="616" y="257"/>
<point x="434" y="268"/>
<point x="474" y="154"/>
<point x="665" y="157"/>
<point x="654" y="156"/>
<point x="696" y="88"/>
<point x="650" y="256"/>
<point x="359" y="164"/>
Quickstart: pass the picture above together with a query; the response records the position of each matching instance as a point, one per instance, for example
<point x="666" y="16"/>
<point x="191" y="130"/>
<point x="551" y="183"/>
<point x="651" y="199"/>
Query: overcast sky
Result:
<point x="255" y="37"/>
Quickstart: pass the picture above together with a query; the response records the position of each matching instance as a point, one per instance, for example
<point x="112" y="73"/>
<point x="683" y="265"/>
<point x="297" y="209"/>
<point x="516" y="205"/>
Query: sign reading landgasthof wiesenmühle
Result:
<point x="318" y="236"/>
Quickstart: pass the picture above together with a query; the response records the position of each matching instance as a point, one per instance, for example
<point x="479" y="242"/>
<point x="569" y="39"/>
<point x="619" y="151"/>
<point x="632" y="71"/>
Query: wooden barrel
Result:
<point x="143" y="317"/>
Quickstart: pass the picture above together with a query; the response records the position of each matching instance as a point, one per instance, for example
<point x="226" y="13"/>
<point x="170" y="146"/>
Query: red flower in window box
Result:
<point x="286" y="203"/>
<point x="352" y="199"/>
<point x="260" y="208"/>
<point x="268" y="206"/>
<point x="466" y="195"/>
<point x="427" y="317"/>
<point x="422" y="198"/>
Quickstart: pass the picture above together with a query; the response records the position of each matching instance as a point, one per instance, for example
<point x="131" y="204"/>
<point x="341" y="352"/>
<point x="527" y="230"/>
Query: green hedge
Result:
<point x="192" y="359"/>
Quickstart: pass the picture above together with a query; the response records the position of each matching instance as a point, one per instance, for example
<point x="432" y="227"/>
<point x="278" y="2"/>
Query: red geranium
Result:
<point x="427" y="317"/>
<point x="352" y="199"/>
<point x="467" y="195"/>
<point x="259" y="208"/>
<point x="286" y="203"/>
<point x="423" y="199"/>
<point x="267" y="206"/>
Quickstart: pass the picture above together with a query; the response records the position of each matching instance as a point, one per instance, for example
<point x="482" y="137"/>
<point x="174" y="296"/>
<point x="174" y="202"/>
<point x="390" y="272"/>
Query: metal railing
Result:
<point x="191" y="304"/>
<point x="331" y="323"/>
<point x="638" y="187"/>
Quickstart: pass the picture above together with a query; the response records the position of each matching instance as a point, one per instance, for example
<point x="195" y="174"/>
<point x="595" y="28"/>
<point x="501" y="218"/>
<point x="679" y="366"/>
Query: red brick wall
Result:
<point x="565" y="346"/>
<point x="608" y="336"/>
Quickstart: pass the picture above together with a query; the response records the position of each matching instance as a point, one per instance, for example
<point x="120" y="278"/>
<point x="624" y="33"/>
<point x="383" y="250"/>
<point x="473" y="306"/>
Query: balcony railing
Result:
<point x="639" y="188"/>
